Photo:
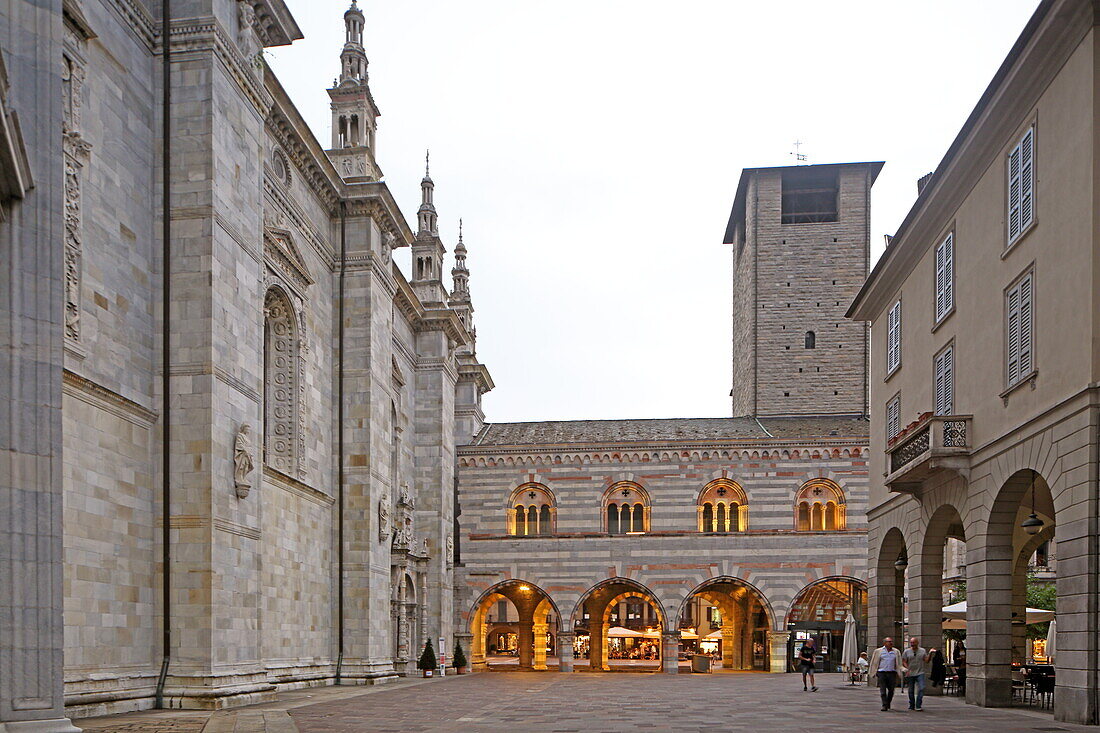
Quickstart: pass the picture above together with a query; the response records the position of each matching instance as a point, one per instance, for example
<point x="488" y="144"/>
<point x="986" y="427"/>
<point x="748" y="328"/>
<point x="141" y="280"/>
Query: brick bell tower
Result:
<point x="801" y="246"/>
<point x="354" y="113"/>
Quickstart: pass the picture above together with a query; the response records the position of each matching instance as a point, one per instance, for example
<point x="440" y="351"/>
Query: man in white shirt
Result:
<point x="885" y="670"/>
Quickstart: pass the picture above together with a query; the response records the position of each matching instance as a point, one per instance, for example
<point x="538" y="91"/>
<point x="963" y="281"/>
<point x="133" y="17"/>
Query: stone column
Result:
<point x="925" y="610"/>
<point x="565" y="652"/>
<point x="538" y="631"/>
<point x="670" y="652"/>
<point x="731" y="646"/>
<point x="988" y="623"/>
<point x="597" y="646"/>
<point x="526" y="642"/>
<point x="31" y="333"/>
<point x="777" y="648"/>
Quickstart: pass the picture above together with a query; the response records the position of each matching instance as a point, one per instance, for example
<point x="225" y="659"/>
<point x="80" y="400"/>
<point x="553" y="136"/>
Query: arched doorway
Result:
<point x="514" y="623"/>
<point x="619" y="623"/>
<point x="819" y="612"/>
<point x="1022" y="516"/>
<point x="730" y="620"/>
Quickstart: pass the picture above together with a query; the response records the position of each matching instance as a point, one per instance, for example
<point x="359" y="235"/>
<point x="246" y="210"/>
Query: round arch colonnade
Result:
<point x="750" y="630"/>
<point x="907" y="563"/>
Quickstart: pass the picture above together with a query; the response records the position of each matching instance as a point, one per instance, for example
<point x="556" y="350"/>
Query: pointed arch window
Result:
<point x="722" y="507"/>
<point x="626" y="509"/>
<point x="820" y="507"/>
<point x="532" y="511"/>
<point x="281" y="382"/>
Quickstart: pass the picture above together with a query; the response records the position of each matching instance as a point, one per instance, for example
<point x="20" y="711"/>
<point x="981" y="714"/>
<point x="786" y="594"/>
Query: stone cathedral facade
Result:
<point x="315" y="393"/>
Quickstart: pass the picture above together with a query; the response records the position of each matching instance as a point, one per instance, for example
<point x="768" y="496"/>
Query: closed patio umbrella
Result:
<point x="850" y="652"/>
<point x="1050" y="640"/>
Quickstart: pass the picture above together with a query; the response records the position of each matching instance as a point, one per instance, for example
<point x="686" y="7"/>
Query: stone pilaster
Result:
<point x="777" y="651"/>
<point x="670" y="652"/>
<point x="31" y="334"/>
<point x="565" y="652"/>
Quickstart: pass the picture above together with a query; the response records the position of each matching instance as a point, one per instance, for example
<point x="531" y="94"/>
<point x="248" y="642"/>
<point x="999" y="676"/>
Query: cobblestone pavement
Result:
<point x="533" y="702"/>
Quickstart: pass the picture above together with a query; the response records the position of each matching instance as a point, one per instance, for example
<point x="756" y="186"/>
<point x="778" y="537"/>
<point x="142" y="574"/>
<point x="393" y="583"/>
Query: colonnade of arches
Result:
<point x="907" y="581"/>
<point x="741" y="630"/>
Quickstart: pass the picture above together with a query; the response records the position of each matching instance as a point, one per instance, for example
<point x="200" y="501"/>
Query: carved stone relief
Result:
<point x="76" y="151"/>
<point x="247" y="40"/>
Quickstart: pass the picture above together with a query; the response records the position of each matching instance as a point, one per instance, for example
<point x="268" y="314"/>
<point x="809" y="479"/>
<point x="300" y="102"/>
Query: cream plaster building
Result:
<point x="985" y="365"/>
<point x="229" y="444"/>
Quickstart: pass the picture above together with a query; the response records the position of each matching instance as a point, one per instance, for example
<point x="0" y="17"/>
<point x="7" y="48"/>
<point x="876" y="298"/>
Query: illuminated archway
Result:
<point x="536" y="620"/>
<point x="736" y="624"/>
<point x="596" y="613"/>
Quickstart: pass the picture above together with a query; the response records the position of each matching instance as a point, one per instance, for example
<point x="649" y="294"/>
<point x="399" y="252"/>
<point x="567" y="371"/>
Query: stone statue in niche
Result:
<point x="383" y="518"/>
<point x="450" y="559"/>
<point x="247" y="41"/>
<point x="406" y="496"/>
<point x="389" y="242"/>
<point x="242" y="461"/>
<point x="424" y="548"/>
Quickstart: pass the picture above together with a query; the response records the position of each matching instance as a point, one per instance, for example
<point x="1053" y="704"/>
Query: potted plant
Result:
<point x="459" y="659"/>
<point x="427" y="663"/>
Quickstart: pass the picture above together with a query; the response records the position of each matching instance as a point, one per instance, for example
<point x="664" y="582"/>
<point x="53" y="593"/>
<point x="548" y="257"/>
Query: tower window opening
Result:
<point x="809" y="196"/>
<point x="811" y="340"/>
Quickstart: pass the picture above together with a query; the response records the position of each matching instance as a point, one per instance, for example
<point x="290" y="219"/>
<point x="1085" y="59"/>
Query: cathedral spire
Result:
<point x="353" y="59"/>
<point x="459" y="273"/>
<point x="427" y="217"/>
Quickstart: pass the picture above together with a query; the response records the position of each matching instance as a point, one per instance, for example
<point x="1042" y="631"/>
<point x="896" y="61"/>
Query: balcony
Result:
<point x="931" y="444"/>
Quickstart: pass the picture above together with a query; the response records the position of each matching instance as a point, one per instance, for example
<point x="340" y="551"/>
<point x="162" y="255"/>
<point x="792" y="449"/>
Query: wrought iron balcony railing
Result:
<point x="931" y="444"/>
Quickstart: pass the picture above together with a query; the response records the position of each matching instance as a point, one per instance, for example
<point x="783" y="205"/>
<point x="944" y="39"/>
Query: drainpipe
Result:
<point x="340" y="447"/>
<point x="166" y="293"/>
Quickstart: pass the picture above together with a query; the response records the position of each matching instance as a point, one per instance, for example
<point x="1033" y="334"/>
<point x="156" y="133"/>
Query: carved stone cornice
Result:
<point x="138" y="20"/>
<point x="293" y="134"/>
<point x="107" y="400"/>
<point x="478" y="373"/>
<point x="274" y="23"/>
<point x="205" y="34"/>
<point x="662" y="452"/>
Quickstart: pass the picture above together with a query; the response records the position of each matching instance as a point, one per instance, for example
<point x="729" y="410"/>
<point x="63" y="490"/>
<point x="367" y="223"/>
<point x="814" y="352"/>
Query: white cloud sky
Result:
<point x="593" y="149"/>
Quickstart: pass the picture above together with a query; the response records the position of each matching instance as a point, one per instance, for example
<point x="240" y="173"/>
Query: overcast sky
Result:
<point x="593" y="149"/>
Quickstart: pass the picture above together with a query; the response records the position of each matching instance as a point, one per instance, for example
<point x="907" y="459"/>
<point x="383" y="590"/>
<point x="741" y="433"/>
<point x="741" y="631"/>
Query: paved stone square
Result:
<point x="535" y="702"/>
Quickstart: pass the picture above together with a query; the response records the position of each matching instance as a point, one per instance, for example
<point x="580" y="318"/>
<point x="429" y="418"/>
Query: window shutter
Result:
<point x="1014" y="194"/>
<point x="1013" y="336"/>
<point x="940" y="307"/>
<point x="1026" y="331"/>
<point x="945" y="387"/>
<point x="893" y="337"/>
<point x="948" y="274"/>
<point x="893" y="418"/>
<point x="1027" y="179"/>
<point x="1021" y="186"/>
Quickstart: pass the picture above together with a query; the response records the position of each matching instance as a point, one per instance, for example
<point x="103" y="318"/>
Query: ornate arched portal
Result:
<point x="598" y="611"/>
<point x="820" y="611"/>
<point x="537" y="617"/>
<point x="741" y="621"/>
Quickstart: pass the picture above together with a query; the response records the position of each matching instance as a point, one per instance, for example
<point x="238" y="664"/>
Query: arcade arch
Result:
<point x="601" y="608"/>
<point x="739" y="619"/>
<point x="819" y="612"/>
<point x="888" y="613"/>
<point x="520" y="613"/>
